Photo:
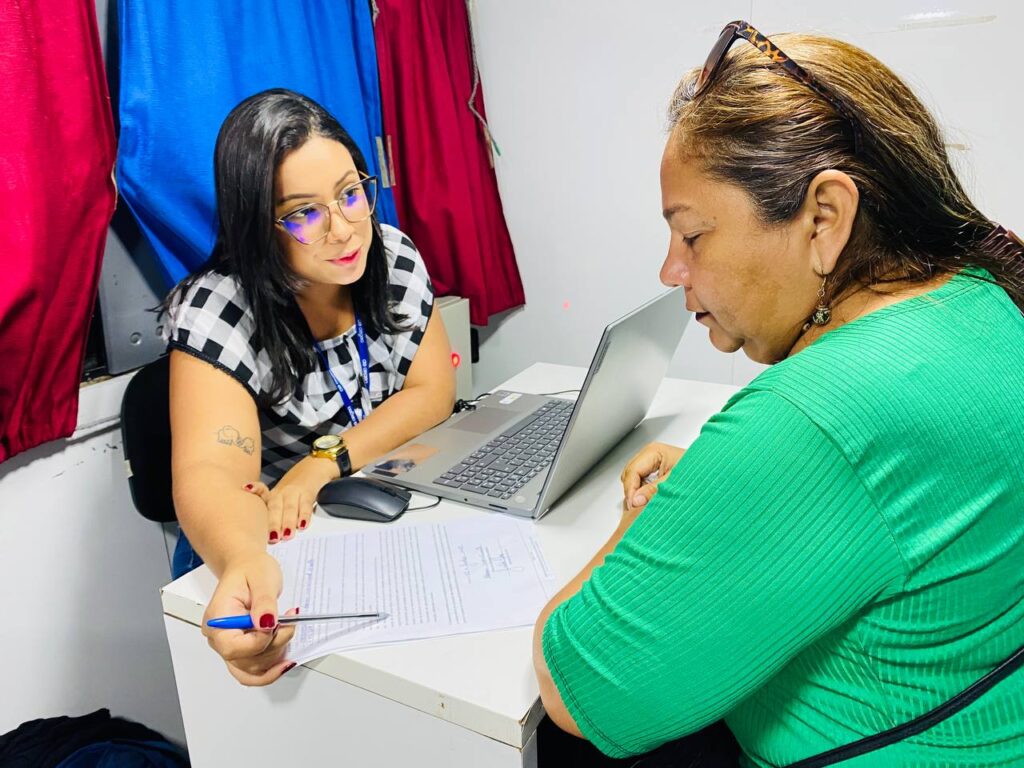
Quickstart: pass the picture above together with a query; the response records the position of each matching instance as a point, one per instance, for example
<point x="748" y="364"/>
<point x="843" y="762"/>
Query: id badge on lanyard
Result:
<point x="355" y="415"/>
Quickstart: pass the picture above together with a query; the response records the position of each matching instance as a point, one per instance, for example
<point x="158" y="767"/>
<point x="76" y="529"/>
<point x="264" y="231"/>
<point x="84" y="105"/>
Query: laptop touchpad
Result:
<point x="484" y="420"/>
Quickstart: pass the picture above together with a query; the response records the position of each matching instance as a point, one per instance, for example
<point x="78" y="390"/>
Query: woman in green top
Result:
<point x="842" y="548"/>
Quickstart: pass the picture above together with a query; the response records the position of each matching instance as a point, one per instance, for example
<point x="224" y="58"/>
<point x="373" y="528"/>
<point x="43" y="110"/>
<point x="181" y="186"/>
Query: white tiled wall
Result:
<point x="576" y="95"/>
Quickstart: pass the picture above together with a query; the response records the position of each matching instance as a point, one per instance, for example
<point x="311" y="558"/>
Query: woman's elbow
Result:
<point x="443" y="399"/>
<point x="550" y="696"/>
<point x="447" y="402"/>
<point x="555" y="707"/>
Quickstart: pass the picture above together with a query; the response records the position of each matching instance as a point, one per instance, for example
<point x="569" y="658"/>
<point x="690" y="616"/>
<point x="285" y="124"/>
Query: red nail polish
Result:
<point x="289" y="668"/>
<point x="267" y="621"/>
<point x="273" y="535"/>
<point x="287" y="532"/>
<point x="248" y="486"/>
<point x="302" y="523"/>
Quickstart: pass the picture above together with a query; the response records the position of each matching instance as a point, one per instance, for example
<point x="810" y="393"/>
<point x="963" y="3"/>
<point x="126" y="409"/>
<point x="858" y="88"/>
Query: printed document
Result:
<point x="432" y="579"/>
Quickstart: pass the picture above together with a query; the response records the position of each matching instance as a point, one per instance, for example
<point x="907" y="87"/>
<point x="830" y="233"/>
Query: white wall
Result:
<point x="80" y="573"/>
<point x="576" y="95"/>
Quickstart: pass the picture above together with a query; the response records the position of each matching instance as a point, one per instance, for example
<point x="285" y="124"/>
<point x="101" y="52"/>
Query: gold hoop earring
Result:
<point x="822" y="313"/>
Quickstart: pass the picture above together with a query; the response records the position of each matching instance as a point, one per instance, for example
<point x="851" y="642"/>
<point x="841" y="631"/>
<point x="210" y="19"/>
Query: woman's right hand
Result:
<point x="250" y="585"/>
<point x="291" y="501"/>
<point x="653" y="458"/>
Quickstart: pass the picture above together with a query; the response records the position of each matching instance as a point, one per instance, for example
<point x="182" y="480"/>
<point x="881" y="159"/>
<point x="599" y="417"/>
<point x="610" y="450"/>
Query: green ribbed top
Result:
<point x="840" y="550"/>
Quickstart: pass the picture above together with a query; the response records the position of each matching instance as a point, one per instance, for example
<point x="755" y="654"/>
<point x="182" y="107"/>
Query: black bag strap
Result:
<point x="918" y="724"/>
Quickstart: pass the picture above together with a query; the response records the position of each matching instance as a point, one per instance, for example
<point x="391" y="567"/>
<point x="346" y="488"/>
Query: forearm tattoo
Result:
<point x="228" y="435"/>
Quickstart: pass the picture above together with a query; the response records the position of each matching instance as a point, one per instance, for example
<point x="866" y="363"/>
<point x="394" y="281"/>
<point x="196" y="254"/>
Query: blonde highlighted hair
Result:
<point x="770" y="134"/>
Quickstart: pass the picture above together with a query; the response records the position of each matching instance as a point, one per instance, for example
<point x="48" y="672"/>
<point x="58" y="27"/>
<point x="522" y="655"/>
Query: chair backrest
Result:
<point x="146" y="433"/>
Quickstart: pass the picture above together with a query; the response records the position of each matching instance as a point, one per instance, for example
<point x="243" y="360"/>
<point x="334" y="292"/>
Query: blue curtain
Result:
<point x="185" y="64"/>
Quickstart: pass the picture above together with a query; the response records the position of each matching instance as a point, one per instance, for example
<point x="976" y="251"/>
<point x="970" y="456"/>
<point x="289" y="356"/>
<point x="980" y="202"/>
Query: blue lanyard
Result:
<point x="355" y="415"/>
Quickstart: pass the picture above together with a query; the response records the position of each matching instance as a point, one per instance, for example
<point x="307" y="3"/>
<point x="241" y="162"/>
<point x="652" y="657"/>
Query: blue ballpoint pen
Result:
<point x="245" y="621"/>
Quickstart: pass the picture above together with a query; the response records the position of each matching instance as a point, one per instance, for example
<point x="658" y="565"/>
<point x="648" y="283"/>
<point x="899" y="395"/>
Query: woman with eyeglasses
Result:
<point x="304" y="349"/>
<point x="838" y="559"/>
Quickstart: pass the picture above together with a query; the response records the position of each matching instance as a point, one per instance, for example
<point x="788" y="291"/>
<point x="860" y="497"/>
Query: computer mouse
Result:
<point x="363" y="498"/>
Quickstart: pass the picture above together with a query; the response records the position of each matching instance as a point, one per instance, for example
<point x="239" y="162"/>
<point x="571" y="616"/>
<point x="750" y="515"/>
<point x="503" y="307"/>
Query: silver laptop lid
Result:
<point x="625" y="373"/>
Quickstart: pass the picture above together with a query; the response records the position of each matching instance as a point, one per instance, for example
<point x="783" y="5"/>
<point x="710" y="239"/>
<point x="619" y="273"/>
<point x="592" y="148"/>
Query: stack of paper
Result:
<point x="432" y="579"/>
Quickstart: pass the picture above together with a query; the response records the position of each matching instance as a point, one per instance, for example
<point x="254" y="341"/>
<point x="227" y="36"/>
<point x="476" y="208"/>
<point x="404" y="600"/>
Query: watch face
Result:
<point x="326" y="442"/>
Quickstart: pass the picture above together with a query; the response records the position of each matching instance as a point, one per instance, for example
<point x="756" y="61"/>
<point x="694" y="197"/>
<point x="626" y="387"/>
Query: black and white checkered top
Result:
<point x="213" y="322"/>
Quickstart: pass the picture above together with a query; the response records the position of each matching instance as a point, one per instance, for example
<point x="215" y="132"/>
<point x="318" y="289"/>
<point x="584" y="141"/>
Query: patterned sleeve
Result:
<point x="412" y="295"/>
<point x="212" y="321"/>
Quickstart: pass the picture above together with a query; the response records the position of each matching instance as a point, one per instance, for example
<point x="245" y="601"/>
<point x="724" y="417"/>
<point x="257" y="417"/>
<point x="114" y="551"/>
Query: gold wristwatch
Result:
<point x="333" y="447"/>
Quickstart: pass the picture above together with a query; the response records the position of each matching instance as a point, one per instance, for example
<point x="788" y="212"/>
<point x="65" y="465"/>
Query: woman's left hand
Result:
<point x="655" y="459"/>
<point x="290" y="502"/>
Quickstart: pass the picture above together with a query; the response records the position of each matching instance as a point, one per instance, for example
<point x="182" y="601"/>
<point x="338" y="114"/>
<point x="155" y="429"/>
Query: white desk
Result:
<point x="468" y="700"/>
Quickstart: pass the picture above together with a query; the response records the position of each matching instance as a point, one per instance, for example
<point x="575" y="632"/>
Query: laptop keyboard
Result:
<point x="509" y="461"/>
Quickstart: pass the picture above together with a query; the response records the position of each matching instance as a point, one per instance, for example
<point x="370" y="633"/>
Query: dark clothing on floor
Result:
<point x="94" y="740"/>
<point x="713" y="747"/>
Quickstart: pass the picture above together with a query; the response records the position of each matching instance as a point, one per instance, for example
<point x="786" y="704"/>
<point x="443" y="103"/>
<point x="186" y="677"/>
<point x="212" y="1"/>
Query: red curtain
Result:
<point x="445" y="190"/>
<point x="56" y="156"/>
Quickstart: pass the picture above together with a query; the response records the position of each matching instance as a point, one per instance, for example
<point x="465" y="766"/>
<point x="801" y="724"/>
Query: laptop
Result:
<point x="519" y="453"/>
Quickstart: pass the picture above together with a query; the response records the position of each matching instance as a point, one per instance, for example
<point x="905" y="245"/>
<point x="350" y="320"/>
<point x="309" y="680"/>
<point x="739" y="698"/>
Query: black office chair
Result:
<point x="146" y="434"/>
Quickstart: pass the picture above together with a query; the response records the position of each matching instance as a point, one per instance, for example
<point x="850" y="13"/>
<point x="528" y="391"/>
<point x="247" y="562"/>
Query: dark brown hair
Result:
<point x="766" y="132"/>
<point x="253" y="141"/>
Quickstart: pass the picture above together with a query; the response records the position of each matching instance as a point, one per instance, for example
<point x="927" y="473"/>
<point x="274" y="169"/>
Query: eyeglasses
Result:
<point x="738" y="29"/>
<point x="312" y="222"/>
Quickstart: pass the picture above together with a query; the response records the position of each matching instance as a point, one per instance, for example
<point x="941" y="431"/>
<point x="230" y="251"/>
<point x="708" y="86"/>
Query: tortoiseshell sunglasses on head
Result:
<point x="741" y="29"/>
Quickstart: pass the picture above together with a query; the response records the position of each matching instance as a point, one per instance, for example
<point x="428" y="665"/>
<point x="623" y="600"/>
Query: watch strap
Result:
<point x="337" y="453"/>
<point x="344" y="460"/>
